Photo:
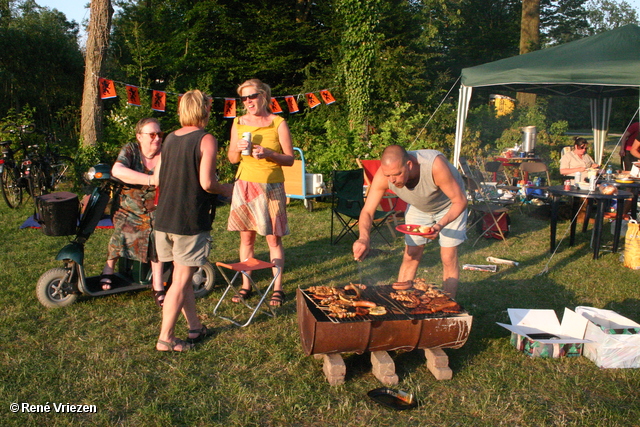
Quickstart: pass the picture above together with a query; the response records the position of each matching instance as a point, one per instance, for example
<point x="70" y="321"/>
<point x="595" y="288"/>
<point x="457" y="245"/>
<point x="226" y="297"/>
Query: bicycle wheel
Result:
<point x="60" y="172"/>
<point x="37" y="182"/>
<point x="11" y="190"/>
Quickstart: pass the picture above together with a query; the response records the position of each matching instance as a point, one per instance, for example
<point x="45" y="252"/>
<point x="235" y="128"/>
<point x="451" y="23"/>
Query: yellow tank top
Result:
<point x="263" y="170"/>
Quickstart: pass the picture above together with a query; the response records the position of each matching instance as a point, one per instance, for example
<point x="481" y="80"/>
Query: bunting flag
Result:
<point x="292" y="104"/>
<point x="133" y="96"/>
<point x="107" y="88"/>
<point x="159" y="98"/>
<point x="327" y="97"/>
<point x="275" y="107"/>
<point x="312" y="100"/>
<point x="159" y="101"/>
<point x="229" y="108"/>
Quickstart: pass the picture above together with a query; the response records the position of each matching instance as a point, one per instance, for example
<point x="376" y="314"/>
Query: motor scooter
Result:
<point x="61" y="287"/>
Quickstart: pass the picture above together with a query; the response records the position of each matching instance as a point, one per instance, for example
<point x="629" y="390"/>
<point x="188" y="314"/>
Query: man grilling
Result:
<point x="435" y="194"/>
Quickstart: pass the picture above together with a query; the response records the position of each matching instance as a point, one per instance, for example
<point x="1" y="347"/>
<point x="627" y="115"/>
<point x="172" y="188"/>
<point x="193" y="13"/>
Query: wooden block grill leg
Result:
<point x="438" y="363"/>
<point x="334" y="368"/>
<point x="383" y="367"/>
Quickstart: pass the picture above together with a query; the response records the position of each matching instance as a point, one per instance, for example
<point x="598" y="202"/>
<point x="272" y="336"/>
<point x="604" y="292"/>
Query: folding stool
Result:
<point x="242" y="269"/>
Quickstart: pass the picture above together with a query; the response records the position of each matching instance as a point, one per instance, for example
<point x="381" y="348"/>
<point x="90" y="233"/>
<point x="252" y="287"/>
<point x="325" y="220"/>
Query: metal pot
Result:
<point x="529" y="136"/>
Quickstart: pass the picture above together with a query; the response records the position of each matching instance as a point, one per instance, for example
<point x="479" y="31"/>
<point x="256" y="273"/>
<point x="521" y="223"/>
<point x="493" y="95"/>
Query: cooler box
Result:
<point x="57" y="213"/>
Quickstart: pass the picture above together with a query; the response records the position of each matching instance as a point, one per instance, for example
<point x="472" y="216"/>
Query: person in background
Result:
<point x="435" y="194"/>
<point x="133" y="217"/>
<point x="258" y="205"/>
<point x="577" y="160"/>
<point x="186" y="178"/>
<point x="626" y="143"/>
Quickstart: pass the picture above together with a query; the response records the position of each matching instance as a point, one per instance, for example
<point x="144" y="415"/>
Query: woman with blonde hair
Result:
<point x="258" y="205"/>
<point x="186" y="179"/>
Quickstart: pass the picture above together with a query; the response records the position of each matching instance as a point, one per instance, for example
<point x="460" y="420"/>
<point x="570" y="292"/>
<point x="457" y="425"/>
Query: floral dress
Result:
<point x="133" y="218"/>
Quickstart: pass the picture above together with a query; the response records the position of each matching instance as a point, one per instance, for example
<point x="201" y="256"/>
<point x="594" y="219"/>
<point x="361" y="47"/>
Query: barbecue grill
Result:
<point x="398" y="329"/>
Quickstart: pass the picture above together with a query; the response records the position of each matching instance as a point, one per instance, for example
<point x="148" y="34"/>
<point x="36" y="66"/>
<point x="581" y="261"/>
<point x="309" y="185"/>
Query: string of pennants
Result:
<point x="159" y="99"/>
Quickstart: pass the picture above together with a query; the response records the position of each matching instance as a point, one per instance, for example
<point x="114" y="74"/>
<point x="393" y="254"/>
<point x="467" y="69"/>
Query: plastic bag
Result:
<point x="632" y="246"/>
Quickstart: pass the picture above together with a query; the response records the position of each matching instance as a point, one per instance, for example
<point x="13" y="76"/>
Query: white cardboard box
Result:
<point x="539" y="333"/>
<point x="615" y="338"/>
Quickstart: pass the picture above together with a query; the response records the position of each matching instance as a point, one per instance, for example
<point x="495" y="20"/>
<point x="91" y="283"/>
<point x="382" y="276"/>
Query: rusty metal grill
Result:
<point x="381" y="296"/>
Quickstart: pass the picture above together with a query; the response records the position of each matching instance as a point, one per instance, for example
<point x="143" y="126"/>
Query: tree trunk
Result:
<point x="97" y="42"/>
<point x="529" y="40"/>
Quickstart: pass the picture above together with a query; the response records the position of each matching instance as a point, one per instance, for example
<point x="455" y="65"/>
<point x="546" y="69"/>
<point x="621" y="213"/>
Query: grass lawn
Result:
<point x="101" y="352"/>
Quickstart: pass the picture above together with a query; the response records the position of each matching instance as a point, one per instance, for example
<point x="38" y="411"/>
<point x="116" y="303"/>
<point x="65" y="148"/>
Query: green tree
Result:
<point x="41" y="63"/>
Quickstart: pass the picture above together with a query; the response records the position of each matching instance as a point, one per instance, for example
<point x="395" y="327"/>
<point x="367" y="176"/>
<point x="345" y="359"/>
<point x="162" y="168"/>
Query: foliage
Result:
<point x="41" y="64"/>
<point x="605" y="15"/>
<point x="562" y="21"/>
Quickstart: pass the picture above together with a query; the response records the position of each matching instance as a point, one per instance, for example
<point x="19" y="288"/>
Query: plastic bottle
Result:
<point x="609" y="175"/>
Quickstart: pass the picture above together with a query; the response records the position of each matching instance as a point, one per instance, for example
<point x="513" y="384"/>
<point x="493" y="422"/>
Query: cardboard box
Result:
<point x="538" y="333"/>
<point x="615" y="339"/>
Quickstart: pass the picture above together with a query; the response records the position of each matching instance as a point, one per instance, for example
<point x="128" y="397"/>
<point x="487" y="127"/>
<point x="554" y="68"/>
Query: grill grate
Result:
<point x="380" y="296"/>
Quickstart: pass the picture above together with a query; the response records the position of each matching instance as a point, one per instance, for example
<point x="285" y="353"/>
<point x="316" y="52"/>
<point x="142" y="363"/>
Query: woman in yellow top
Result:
<point x="258" y="205"/>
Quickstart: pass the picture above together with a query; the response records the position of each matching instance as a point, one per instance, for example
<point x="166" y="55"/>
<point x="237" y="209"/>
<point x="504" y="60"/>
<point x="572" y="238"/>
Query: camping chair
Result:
<point x="390" y="201"/>
<point x="495" y="170"/>
<point x="244" y="269"/>
<point x="483" y="207"/>
<point x="347" y="202"/>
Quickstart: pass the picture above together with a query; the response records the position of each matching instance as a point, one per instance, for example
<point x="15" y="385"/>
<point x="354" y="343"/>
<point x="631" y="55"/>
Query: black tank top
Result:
<point x="183" y="206"/>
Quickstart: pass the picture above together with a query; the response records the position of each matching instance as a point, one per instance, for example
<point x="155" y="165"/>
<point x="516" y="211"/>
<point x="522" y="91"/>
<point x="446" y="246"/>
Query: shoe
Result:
<point x="203" y="333"/>
<point x="173" y="344"/>
<point x="242" y="295"/>
<point x="106" y="280"/>
<point x="277" y="299"/>
<point x="158" y="297"/>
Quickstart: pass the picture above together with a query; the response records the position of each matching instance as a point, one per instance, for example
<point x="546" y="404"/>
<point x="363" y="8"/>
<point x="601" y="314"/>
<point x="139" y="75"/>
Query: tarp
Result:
<point x="599" y="67"/>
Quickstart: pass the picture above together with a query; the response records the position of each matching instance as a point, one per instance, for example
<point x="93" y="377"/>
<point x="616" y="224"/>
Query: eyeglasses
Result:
<point x="584" y="147"/>
<point x="252" y="96"/>
<point x="153" y="134"/>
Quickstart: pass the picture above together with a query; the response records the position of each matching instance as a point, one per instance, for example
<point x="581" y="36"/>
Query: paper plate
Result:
<point x="406" y="229"/>
<point x="393" y="399"/>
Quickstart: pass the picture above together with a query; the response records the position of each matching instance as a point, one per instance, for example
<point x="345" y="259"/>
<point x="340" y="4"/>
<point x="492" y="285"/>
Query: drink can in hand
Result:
<point x="247" y="151"/>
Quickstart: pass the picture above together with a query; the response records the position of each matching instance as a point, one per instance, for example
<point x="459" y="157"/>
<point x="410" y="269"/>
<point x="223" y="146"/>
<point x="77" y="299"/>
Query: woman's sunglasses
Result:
<point x="252" y="96"/>
<point x="153" y="135"/>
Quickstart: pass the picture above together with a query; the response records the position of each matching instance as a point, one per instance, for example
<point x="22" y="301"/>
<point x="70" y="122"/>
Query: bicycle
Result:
<point x="13" y="181"/>
<point x="57" y="167"/>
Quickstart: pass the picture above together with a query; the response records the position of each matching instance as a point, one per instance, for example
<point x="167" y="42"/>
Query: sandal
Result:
<point x="106" y="280"/>
<point x="173" y="344"/>
<point x="242" y="295"/>
<point x="159" y="296"/>
<point x="203" y="333"/>
<point x="277" y="299"/>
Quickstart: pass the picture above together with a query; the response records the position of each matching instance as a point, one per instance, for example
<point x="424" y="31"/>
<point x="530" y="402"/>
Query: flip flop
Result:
<point x="106" y="280"/>
<point x="242" y="295"/>
<point x="203" y="333"/>
<point x="173" y="344"/>
<point x="277" y="299"/>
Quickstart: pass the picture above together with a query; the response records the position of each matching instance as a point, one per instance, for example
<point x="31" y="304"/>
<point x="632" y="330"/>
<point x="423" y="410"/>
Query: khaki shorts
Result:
<point x="191" y="251"/>
<point x="452" y="235"/>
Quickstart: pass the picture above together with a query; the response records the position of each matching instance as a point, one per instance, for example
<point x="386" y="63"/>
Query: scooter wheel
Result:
<point x="53" y="291"/>
<point x="203" y="280"/>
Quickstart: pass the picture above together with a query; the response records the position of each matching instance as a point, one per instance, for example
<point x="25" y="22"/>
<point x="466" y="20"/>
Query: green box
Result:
<point x="533" y="348"/>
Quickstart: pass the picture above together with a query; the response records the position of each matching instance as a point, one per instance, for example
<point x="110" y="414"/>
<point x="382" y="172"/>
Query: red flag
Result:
<point x="327" y="97"/>
<point x="229" y="108"/>
<point x="275" y="107"/>
<point x="312" y="101"/>
<point x="159" y="101"/>
<point x="133" y="96"/>
<point x="292" y="104"/>
<point x="107" y="89"/>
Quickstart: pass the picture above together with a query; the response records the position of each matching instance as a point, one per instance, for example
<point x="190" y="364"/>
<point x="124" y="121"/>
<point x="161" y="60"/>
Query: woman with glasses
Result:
<point x="258" y="205"/>
<point x="577" y="160"/>
<point x="134" y="207"/>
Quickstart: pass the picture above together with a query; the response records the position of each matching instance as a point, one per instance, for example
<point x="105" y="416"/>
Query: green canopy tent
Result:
<point x="599" y="67"/>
